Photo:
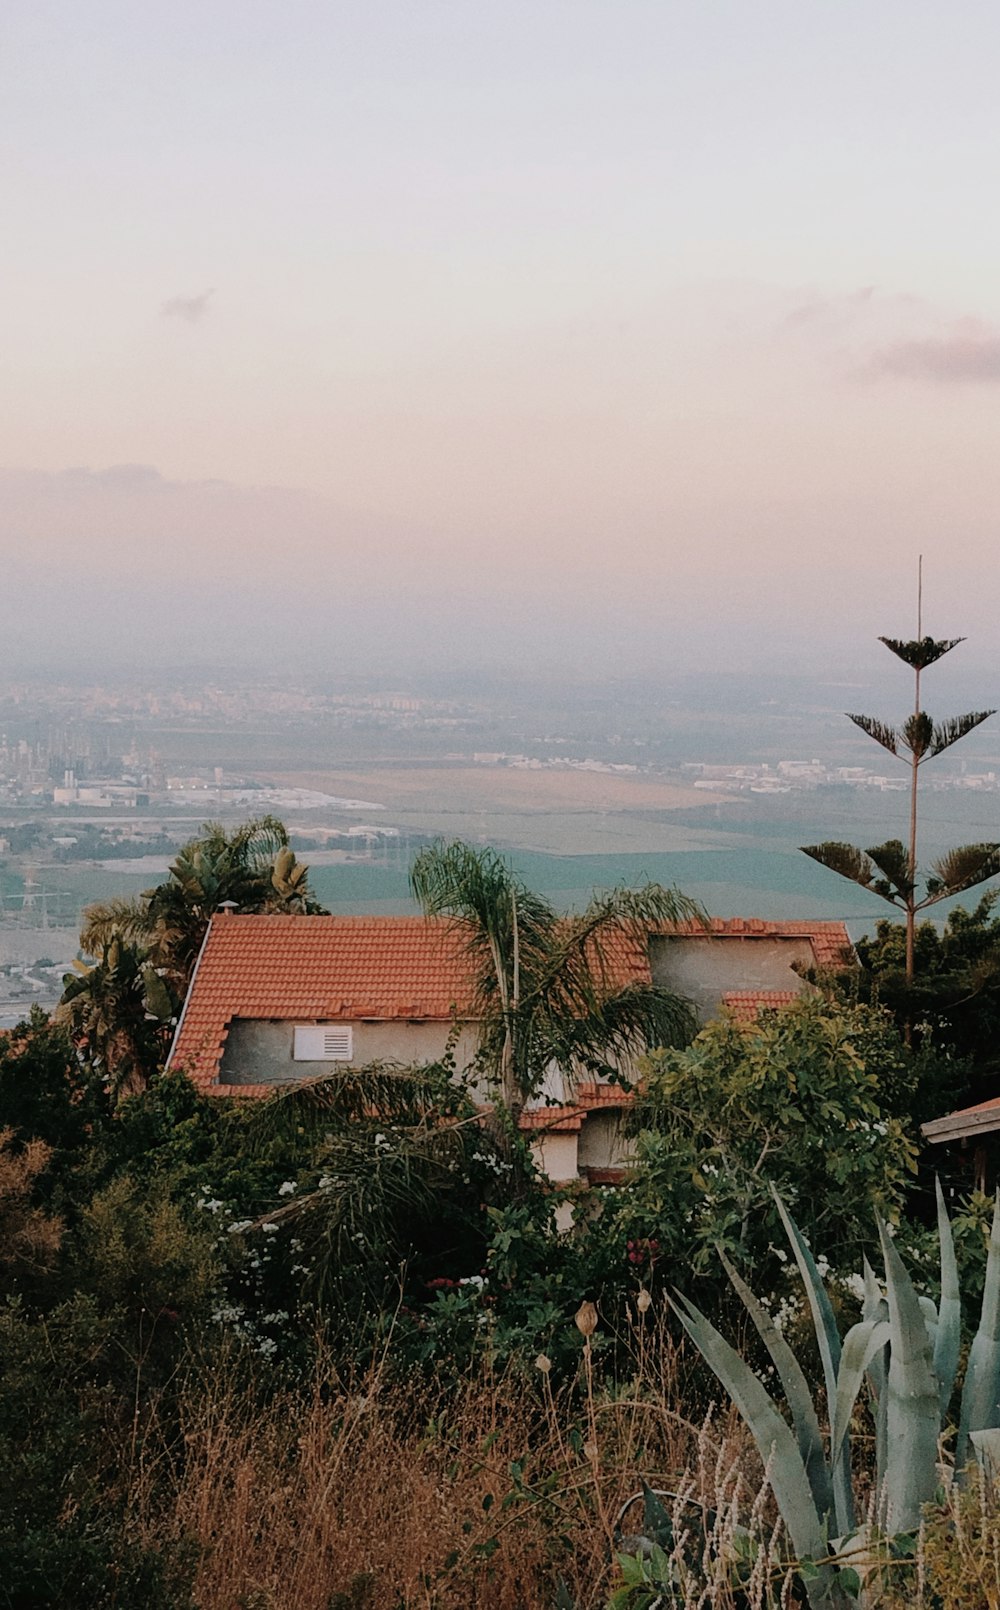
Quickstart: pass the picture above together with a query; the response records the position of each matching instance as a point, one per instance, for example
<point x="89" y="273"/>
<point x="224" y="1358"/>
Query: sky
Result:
<point x="591" y="334"/>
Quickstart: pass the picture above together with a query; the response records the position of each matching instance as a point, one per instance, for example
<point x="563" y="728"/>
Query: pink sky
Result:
<point x="614" y="329"/>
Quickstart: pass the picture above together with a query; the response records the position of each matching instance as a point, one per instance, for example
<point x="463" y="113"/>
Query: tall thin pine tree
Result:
<point x="890" y="870"/>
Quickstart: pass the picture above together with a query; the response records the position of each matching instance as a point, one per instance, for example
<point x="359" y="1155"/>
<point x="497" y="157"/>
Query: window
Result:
<point x="323" y="1042"/>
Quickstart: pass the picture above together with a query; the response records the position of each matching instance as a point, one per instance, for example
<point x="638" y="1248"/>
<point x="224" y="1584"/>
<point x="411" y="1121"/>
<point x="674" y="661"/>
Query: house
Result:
<point x="278" y="999"/>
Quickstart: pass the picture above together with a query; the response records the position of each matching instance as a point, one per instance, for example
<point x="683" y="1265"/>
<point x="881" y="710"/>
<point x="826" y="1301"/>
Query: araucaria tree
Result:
<point x="890" y="870"/>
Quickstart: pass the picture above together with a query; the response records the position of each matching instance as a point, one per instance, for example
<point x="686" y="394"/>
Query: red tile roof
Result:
<point x="317" y="969"/>
<point x="325" y="969"/>
<point x="605" y="1176"/>
<point x="552" y="1120"/>
<point x="592" y="1097"/>
<point x="569" y="1118"/>
<point x="744" y="1004"/>
<point x="831" y="946"/>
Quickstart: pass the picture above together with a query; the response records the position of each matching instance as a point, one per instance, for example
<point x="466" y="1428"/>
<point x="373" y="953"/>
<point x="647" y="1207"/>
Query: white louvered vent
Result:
<point x="323" y="1042"/>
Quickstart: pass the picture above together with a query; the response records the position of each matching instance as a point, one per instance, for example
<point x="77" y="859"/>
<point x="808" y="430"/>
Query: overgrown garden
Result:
<point x="329" y="1349"/>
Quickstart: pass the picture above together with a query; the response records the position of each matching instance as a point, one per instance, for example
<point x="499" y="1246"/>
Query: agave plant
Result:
<point x="907" y="1349"/>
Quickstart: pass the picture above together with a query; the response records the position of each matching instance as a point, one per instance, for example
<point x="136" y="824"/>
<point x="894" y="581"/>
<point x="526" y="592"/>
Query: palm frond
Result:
<point x="547" y="987"/>
<point x="636" y="910"/>
<point x="375" y="1188"/>
<point x="879" y="730"/>
<point x="946" y="733"/>
<point x="921" y="652"/>
<point x="389" y="1092"/>
<point x="125" y="916"/>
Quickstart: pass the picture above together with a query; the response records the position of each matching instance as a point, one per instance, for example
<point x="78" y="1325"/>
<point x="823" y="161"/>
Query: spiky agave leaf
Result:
<point x="987" y="1449"/>
<point x="876" y="1307"/>
<point x="981" y="1393"/>
<point x="863" y="1342"/>
<point x="946" y="733"/>
<point x="828" y="1340"/>
<point x="795" y="1388"/>
<point x="962" y="868"/>
<point x="775" y="1441"/>
<point x="879" y="730"/>
<point x="913" y="1415"/>
<point x="949" y="1328"/>
<point x="921" y="652"/>
<point x="928" y="1307"/>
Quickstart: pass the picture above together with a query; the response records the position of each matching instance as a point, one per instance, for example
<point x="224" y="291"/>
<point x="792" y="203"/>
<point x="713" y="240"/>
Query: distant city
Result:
<point x="100" y="784"/>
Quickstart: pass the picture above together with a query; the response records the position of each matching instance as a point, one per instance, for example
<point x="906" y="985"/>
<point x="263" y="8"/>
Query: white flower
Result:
<point x="287" y="1189"/>
<point x="239" y="1225"/>
<point x="228" y="1314"/>
<point x="270" y="1228"/>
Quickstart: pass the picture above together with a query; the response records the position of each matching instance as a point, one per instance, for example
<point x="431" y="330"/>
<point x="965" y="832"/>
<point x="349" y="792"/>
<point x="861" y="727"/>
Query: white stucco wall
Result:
<point x="556" y="1156"/>
<point x="258" y="1052"/>
<point x="603" y="1142"/>
<point x="704" y="970"/>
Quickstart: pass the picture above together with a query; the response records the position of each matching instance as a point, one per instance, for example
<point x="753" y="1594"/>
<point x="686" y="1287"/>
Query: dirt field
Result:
<point x="501" y="788"/>
<point x="555" y="812"/>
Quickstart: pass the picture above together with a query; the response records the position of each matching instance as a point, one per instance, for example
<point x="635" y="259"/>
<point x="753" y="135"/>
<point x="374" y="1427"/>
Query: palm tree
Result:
<point x="251" y="866"/>
<point x="546" y="990"/>
<point x="118" y="1012"/>
<point x="402" y="1163"/>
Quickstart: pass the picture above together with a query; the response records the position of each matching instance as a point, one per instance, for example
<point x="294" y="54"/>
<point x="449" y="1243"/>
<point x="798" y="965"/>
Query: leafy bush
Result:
<point x="794" y="1100"/>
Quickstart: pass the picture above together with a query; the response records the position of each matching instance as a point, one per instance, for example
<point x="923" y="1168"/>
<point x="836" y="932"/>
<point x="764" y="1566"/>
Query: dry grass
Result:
<point x="398" y="1496"/>
<point x="372" y="1494"/>
<point x="29" y="1238"/>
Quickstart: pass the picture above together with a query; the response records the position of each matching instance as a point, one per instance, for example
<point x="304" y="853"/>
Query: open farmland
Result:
<point x="554" y="811"/>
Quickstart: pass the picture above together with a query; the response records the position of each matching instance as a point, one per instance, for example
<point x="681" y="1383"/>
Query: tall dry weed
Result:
<point x="369" y="1492"/>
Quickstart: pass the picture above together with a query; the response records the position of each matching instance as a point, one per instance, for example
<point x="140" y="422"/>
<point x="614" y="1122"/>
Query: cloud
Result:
<point x="942" y="360"/>
<point x="190" y="308"/>
<point x="869" y="335"/>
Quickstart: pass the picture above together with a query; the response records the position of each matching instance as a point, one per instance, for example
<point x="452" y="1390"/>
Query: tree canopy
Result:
<point x="545" y="983"/>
